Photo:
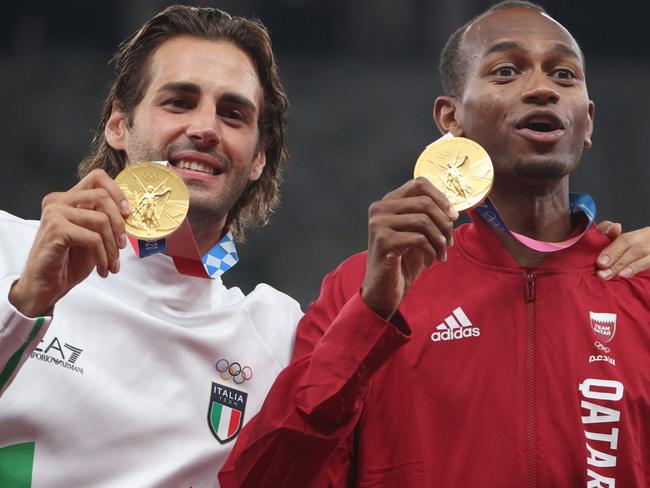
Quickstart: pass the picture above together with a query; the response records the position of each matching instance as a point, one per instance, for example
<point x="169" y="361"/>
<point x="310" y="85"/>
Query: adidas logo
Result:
<point x="456" y="326"/>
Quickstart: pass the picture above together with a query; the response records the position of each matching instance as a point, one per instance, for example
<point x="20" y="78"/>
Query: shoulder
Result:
<point x="11" y="223"/>
<point x="275" y="316"/>
<point x="265" y="298"/>
<point x="348" y="276"/>
<point x="640" y="286"/>
<point x="16" y="236"/>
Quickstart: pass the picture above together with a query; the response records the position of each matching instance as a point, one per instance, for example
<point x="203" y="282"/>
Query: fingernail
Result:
<point x="626" y="273"/>
<point x="605" y="273"/>
<point x="604" y="259"/>
<point x="115" y="268"/>
<point x="454" y="214"/>
<point x="444" y="258"/>
<point x="451" y="241"/>
<point x="123" y="241"/>
<point x="126" y="208"/>
<point x="609" y="228"/>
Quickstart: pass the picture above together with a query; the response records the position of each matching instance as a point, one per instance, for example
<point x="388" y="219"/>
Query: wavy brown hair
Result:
<point x="132" y="77"/>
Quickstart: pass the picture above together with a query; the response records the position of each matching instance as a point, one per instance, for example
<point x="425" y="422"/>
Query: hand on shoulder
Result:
<point x="627" y="255"/>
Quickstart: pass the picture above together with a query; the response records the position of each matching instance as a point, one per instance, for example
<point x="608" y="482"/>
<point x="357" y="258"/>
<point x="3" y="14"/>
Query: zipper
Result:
<point x="531" y="423"/>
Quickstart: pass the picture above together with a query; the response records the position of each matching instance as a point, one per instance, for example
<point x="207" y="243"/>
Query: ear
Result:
<point x="447" y="116"/>
<point x="590" y="124"/>
<point x="258" y="165"/>
<point x="116" y="128"/>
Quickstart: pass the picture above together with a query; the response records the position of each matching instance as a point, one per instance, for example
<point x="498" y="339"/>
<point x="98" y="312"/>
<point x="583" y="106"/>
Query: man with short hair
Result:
<point x="138" y="375"/>
<point x="466" y="358"/>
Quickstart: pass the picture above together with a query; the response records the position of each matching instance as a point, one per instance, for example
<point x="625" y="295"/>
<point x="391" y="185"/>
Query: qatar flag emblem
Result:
<point x="603" y="325"/>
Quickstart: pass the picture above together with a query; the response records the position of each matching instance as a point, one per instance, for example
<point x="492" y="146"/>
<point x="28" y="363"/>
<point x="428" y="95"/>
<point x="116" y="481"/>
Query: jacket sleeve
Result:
<point x="19" y="335"/>
<point x="303" y="434"/>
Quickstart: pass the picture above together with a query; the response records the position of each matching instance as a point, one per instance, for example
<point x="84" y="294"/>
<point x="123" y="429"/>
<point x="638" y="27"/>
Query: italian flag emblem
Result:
<point x="226" y="412"/>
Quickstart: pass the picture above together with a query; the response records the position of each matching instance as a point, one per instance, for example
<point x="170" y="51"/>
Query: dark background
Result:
<point x="361" y="77"/>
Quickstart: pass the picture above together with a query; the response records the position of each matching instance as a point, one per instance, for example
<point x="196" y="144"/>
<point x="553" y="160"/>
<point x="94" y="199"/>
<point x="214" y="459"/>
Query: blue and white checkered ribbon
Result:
<point x="221" y="257"/>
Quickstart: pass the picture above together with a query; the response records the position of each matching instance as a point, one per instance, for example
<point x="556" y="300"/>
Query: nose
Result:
<point x="203" y="129"/>
<point x="540" y="90"/>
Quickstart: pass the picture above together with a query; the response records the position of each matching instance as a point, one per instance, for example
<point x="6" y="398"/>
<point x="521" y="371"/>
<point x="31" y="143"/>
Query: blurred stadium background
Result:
<point x="361" y="77"/>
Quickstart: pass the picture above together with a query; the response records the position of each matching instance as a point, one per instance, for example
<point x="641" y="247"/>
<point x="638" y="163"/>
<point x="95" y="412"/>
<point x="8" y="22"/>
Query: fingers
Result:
<point x="404" y="232"/>
<point x="99" y="179"/>
<point x="628" y="255"/>
<point x="423" y="187"/>
<point x="609" y="229"/>
<point x="417" y="207"/>
<point x="77" y="227"/>
<point x="97" y="191"/>
<point x="97" y="199"/>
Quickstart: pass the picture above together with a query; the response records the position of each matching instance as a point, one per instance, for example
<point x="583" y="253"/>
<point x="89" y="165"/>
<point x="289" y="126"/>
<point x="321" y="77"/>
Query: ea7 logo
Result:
<point x="73" y="352"/>
<point x="65" y="356"/>
<point x="603" y="325"/>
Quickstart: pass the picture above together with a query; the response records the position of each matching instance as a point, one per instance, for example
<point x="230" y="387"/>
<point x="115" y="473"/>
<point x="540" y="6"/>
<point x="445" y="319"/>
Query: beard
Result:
<point x="547" y="170"/>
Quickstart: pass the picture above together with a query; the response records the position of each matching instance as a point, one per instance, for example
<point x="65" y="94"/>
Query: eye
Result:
<point x="232" y="113"/>
<point x="505" y="71"/>
<point x="178" y="103"/>
<point x="564" y="74"/>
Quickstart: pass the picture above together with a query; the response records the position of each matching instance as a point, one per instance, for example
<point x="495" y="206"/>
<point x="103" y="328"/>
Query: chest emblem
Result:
<point x="226" y="412"/>
<point x="603" y="325"/>
<point x="455" y="326"/>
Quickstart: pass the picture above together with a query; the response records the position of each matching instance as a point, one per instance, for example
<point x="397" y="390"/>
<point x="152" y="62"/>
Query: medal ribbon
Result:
<point x="181" y="247"/>
<point x="578" y="202"/>
<point x="212" y="264"/>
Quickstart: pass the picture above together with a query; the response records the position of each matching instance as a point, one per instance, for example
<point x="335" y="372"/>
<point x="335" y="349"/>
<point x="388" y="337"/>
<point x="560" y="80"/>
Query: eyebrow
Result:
<point x="558" y="47"/>
<point x="181" y="86"/>
<point x="194" y="89"/>
<point x="238" y="100"/>
<point x="502" y="46"/>
<point x="564" y="49"/>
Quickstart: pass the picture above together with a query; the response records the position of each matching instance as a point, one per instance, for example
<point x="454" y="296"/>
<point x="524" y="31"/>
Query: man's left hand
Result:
<point x="628" y="255"/>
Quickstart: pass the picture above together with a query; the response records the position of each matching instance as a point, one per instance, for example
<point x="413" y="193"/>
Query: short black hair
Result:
<point x="453" y="65"/>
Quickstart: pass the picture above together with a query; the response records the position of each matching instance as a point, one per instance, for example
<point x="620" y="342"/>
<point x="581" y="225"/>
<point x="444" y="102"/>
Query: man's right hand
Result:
<point x="80" y="229"/>
<point x="408" y="230"/>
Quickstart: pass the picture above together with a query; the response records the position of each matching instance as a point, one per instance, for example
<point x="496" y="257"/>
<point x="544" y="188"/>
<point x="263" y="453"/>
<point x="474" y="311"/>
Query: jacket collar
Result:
<point x="478" y="241"/>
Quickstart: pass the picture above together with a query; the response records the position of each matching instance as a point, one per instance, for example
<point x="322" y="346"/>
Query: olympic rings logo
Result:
<point x="602" y="347"/>
<point x="234" y="371"/>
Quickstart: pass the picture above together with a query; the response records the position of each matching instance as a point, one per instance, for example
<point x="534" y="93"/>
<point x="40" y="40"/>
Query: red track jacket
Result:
<point x="490" y="376"/>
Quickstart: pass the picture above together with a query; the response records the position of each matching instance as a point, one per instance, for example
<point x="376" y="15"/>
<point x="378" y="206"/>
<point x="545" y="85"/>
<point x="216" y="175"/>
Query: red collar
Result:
<point x="478" y="242"/>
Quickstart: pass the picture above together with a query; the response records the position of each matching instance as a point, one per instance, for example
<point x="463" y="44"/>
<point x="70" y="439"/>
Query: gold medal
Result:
<point x="458" y="167"/>
<point x="158" y="197"/>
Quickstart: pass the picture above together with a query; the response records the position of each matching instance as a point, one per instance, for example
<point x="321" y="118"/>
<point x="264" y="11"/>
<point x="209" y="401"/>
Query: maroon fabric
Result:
<point x="528" y="400"/>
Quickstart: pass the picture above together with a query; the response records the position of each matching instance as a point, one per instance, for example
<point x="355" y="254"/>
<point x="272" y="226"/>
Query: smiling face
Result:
<point x="200" y="112"/>
<point x="525" y="99"/>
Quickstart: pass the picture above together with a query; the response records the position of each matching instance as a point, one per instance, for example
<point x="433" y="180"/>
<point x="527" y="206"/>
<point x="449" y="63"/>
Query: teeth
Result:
<point x="194" y="166"/>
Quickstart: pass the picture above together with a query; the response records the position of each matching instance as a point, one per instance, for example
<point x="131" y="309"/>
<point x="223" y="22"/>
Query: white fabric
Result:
<point x="132" y="408"/>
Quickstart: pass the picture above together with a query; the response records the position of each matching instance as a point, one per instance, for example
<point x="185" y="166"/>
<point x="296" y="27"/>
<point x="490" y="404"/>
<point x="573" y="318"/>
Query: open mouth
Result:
<point x="541" y="126"/>
<point x="541" y="121"/>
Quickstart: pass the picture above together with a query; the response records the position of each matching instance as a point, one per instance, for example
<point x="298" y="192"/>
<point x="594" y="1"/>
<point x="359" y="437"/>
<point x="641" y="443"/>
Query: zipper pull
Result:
<point x="530" y="287"/>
